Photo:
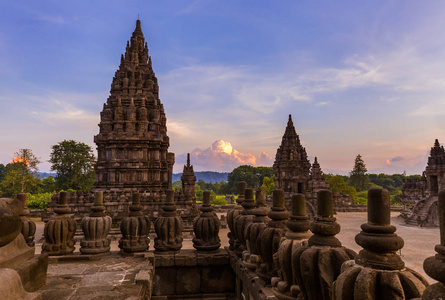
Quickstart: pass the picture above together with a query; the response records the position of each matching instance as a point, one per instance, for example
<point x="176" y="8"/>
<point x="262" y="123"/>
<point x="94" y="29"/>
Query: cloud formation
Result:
<point x="221" y="157"/>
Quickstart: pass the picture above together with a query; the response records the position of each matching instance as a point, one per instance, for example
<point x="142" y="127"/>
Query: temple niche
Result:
<point x="294" y="173"/>
<point x="420" y="195"/>
<point x="132" y="143"/>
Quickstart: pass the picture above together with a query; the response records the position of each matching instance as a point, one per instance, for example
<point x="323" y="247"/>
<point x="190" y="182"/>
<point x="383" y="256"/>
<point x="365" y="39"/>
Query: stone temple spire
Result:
<point x="291" y="164"/>
<point x="188" y="179"/>
<point x="132" y="142"/>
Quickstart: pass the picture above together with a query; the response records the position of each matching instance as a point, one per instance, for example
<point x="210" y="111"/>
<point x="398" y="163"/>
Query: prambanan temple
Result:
<point x="274" y="252"/>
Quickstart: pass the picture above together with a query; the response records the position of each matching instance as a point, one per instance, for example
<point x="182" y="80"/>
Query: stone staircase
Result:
<point x="420" y="212"/>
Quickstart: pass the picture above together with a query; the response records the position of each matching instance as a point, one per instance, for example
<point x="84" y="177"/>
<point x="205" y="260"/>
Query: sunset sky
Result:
<point x="362" y="77"/>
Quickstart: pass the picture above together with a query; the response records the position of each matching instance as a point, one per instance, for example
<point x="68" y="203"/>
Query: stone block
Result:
<point x="187" y="280"/>
<point x="186" y="258"/>
<point x="164" y="260"/>
<point x="219" y="257"/>
<point x="33" y="272"/>
<point x="217" y="279"/>
<point x="12" y="288"/>
<point x="164" y="281"/>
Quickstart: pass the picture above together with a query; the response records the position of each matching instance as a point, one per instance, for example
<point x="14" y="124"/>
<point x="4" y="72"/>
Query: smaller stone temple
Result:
<point x="294" y="173"/>
<point x="419" y="196"/>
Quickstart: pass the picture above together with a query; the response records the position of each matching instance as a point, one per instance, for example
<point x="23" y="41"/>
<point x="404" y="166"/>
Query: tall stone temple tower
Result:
<point x="291" y="164"/>
<point x="132" y="143"/>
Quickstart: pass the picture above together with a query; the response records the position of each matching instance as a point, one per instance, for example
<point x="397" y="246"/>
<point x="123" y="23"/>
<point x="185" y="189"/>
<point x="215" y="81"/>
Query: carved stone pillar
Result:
<point x="269" y="239"/>
<point x="434" y="266"/>
<point x="285" y="287"/>
<point x="251" y="256"/>
<point x="378" y="271"/>
<point x="95" y="228"/>
<point x="135" y="228"/>
<point x="206" y="227"/>
<point x="60" y="230"/>
<point x="233" y="213"/>
<point x="28" y="226"/>
<point x="317" y="265"/>
<point x="242" y="220"/>
<point x="168" y="227"/>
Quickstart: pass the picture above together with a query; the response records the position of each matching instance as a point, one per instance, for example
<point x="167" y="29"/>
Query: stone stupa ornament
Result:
<point x="378" y="271"/>
<point x="242" y="220"/>
<point x="317" y="265"/>
<point x="269" y="239"/>
<point x="95" y="228"/>
<point x="60" y="230"/>
<point x="233" y="213"/>
<point x="206" y="227"/>
<point x="135" y="228"/>
<point x="434" y="266"/>
<point x="253" y="230"/>
<point x="28" y="226"/>
<point x="285" y="287"/>
<point x="168" y="227"/>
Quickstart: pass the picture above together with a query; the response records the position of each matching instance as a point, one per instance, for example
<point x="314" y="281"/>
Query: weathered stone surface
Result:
<point x="135" y="228"/>
<point x="11" y="226"/>
<point x="188" y="280"/>
<point x="168" y="227"/>
<point x="378" y="272"/>
<point x="28" y="226"/>
<point x="286" y="286"/>
<point x="233" y="213"/>
<point x="217" y="279"/>
<point x="435" y="266"/>
<point x="253" y="230"/>
<point x="95" y="228"/>
<point x="164" y="281"/>
<point x="269" y="239"/>
<point x="243" y="220"/>
<point x="11" y="286"/>
<point x="60" y="230"/>
<point x="206" y="227"/>
<point x="317" y="265"/>
<point x="33" y="272"/>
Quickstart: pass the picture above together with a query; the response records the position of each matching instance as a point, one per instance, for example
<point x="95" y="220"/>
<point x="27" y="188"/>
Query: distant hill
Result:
<point x="207" y="176"/>
<point x="46" y="174"/>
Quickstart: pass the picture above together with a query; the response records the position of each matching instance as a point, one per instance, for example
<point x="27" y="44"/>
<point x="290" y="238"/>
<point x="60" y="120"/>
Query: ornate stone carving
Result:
<point x="378" y="271"/>
<point x="135" y="228"/>
<point x="233" y="213"/>
<point x="95" y="228"/>
<point x="269" y="239"/>
<point x="285" y="287"/>
<point x="434" y="266"/>
<point x="28" y="226"/>
<point x="206" y="227"/>
<point x="242" y="220"/>
<point x="60" y="230"/>
<point x="168" y="227"/>
<point x="253" y="230"/>
<point x="317" y="265"/>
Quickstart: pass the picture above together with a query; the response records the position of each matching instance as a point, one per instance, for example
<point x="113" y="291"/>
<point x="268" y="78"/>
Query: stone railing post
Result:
<point x="242" y="220"/>
<point x="285" y="287"/>
<point x="60" y="229"/>
<point x="378" y="271"/>
<point x="135" y="228"/>
<point x="317" y="265"/>
<point x="95" y="228"/>
<point x="168" y="227"/>
<point x="434" y="266"/>
<point x="233" y="213"/>
<point x="269" y="239"/>
<point x="206" y="227"/>
<point x="28" y="226"/>
<point x="251" y="255"/>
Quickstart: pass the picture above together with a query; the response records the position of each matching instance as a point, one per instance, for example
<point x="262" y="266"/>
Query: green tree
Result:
<point x="358" y="177"/>
<point x="20" y="175"/>
<point x="253" y="176"/>
<point x="268" y="184"/>
<point x="339" y="185"/>
<point x="73" y="162"/>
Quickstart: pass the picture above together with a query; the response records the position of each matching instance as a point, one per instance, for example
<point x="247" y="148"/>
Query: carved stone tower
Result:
<point x="188" y="179"/>
<point x="291" y="164"/>
<point x="435" y="169"/>
<point x="132" y="143"/>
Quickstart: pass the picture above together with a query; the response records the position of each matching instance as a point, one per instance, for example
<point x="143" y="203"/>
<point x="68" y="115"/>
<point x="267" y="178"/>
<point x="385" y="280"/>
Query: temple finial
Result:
<point x="188" y="159"/>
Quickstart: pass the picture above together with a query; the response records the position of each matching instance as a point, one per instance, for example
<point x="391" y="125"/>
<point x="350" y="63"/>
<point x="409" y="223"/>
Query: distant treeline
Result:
<point x="207" y="176"/>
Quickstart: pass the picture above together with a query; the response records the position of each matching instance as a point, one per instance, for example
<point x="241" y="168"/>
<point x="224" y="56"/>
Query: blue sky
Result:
<point x="362" y="77"/>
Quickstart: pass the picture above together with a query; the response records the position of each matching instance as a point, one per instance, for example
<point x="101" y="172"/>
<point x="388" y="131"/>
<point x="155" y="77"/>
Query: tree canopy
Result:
<point x="73" y="162"/>
<point x="253" y="176"/>
<point x="358" y="177"/>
